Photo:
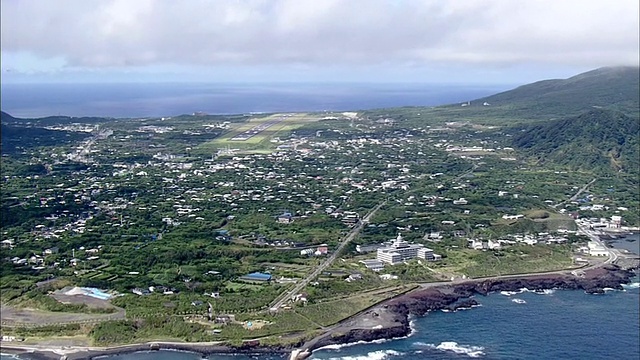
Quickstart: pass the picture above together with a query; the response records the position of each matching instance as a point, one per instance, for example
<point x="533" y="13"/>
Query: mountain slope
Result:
<point x="599" y="139"/>
<point x="17" y="135"/>
<point x="611" y="87"/>
<point x="5" y="117"/>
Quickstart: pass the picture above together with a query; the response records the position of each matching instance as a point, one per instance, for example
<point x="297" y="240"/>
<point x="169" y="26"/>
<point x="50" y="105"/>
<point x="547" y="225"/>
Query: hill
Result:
<point x="17" y="135"/>
<point x="7" y="118"/>
<point x="610" y="87"/>
<point x="615" y="88"/>
<point x="599" y="139"/>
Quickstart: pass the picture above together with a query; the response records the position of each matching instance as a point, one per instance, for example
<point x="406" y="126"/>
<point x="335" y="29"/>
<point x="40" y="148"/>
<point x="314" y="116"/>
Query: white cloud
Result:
<point x="116" y="33"/>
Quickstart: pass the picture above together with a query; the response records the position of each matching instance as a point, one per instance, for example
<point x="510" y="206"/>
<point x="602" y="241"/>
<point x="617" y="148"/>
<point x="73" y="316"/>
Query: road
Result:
<point x="281" y="300"/>
<point x="575" y="196"/>
<point x="613" y="253"/>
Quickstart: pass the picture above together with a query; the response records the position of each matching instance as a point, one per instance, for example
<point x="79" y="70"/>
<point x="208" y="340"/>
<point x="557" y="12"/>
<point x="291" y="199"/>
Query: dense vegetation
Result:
<point x="610" y="87"/>
<point x="599" y="139"/>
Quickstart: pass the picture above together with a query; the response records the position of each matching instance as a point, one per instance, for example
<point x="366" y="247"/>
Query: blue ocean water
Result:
<point x="165" y="99"/>
<point x="561" y="324"/>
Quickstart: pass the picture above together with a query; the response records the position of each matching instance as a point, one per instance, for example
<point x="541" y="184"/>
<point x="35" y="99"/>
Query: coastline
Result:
<point x="397" y="312"/>
<point x="385" y="321"/>
<point x="78" y="353"/>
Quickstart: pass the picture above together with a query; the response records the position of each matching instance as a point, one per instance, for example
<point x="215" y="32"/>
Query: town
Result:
<point x="271" y="219"/>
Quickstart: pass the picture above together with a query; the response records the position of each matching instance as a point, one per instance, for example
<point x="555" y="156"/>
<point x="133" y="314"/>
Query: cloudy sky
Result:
<point x="428" y="41"/>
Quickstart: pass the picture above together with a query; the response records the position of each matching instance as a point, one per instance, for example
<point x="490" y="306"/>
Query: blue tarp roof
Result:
<point x="257" y="276"/>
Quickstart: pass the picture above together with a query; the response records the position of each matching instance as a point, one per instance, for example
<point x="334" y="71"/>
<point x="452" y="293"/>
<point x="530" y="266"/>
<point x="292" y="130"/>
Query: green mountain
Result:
<point x="599" y="139"/>
<point x="17" y="135"/>
<point x="610" y="87"/>
<point x="6" y="118"/>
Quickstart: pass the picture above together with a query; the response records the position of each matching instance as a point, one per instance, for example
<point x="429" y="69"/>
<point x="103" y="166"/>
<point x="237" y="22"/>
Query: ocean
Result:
<point x="560" y="324"/>
<point x="170" y="99"/>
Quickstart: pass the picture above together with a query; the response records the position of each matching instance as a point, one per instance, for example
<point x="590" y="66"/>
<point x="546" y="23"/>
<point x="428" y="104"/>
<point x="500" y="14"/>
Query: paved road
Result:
<point x="613" y="253"/>
<point x="277" y="304"/>
<point x="575" y="196"/>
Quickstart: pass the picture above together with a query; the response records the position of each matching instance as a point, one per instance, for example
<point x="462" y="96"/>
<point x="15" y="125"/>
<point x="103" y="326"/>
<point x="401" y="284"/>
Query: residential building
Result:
<point x="285" y="218"/>
<point x="616" y="221"/>
<point x="322" y="250"/>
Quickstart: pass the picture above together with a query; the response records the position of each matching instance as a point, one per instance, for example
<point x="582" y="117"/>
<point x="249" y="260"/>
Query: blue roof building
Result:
<point x="257" y="277"/>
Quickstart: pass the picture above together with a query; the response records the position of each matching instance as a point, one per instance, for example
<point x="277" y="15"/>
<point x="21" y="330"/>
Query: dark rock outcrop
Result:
<point x="454" y="297"/>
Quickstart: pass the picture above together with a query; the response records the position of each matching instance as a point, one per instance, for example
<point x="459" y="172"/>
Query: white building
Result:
<point x="401" y="250"/>
<point x="616" y="221"/>
<point x="596" y="249"/>
<point x="375" y="265"/>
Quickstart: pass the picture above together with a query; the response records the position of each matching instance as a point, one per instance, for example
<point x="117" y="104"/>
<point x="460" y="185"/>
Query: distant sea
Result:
<point x="166" y="99"/>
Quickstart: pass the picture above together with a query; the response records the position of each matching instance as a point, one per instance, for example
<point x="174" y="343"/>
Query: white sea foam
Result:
<point x="340" y="346"/>
<point x="634" y="285"/>
<point x="452" y="346"/>
<point x="361" y="342"/>
<point x="608" y="289"/>
<point x="374" y="355"/>
<point x="545" y="292"/>
<point x="13" y="356"/>
<point x="509" y="293"/>
<point x="518" y="301"/>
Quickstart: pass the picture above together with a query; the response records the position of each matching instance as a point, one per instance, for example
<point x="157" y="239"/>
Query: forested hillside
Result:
<point x="597" y="139"/>
<point x="612" y="87"/>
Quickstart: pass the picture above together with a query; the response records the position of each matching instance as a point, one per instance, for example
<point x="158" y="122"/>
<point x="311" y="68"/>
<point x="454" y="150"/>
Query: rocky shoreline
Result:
<point x="387" y="320"/>
<point x="397" y="312"/>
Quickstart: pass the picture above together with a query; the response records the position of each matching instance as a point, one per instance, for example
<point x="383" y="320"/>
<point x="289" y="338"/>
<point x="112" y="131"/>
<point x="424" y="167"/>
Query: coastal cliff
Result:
<point x="391" y="318"/>
<point x="387" y="320"/>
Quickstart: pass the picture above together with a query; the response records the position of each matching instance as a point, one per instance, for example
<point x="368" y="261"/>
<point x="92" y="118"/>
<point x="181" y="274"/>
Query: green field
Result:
<point x="513" y="260"/>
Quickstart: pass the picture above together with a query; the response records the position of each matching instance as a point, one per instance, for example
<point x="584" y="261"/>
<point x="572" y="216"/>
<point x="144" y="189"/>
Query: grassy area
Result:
<point x="330" y="312"/>
<point x="261" y="142"/>
<point x="513" y="260"/>
<point x="277" y="324"/>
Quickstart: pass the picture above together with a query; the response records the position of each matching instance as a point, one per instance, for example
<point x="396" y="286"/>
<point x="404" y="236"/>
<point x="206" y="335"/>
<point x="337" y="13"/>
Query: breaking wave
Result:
<point x="545" y="292"/>
<point x="523" y="290"/>
<point x="452" y="346"/>
<point x="374" y="355"/>
<point x="361" y="342"/>
<point x="634" y="285"/>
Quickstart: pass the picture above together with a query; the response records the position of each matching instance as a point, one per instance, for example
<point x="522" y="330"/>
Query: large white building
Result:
<point x="400" y="250"/>
<point x="596" y="249"/>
